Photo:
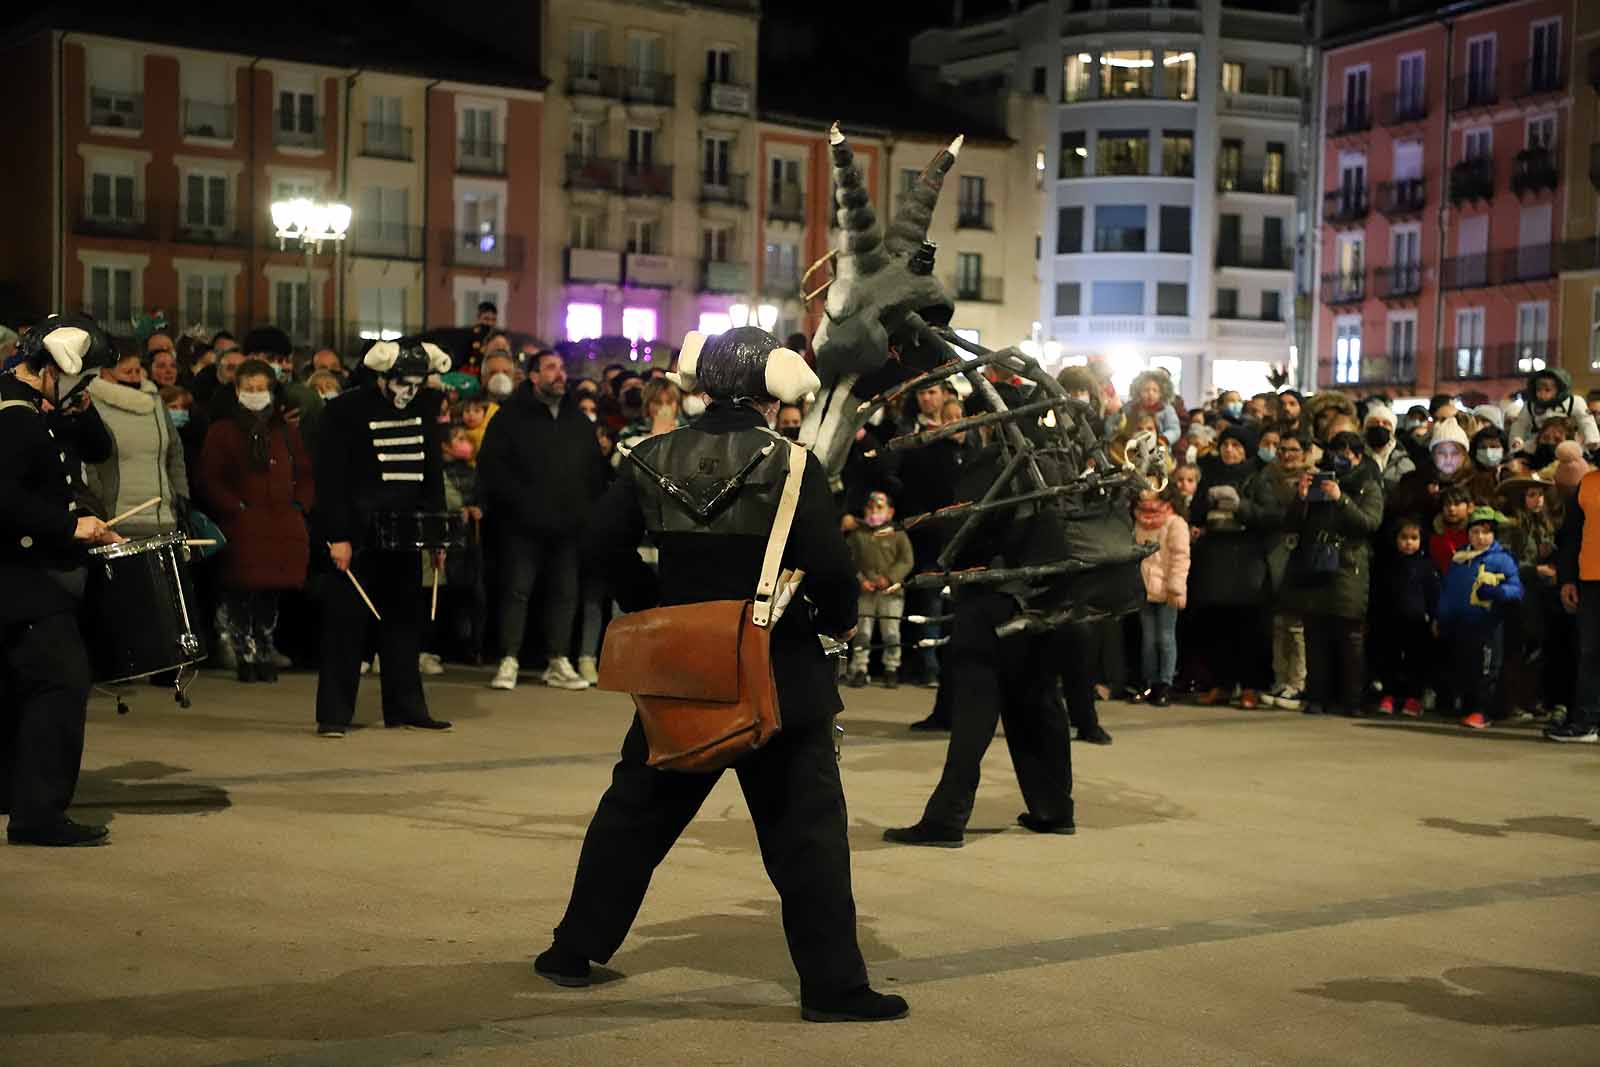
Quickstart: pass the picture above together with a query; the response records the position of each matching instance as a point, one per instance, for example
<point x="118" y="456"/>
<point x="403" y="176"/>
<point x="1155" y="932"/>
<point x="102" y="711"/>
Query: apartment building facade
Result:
<point x="1580" y="267"/>
<point x="158" y="165"/>
<point x="1444" y="199"/>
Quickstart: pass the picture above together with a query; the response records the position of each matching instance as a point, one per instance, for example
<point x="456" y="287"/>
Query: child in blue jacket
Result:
<point x="1479" y="588"/>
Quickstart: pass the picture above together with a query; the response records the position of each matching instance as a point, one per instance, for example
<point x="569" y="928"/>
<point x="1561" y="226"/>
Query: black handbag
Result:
<point x="1315" y="560"/>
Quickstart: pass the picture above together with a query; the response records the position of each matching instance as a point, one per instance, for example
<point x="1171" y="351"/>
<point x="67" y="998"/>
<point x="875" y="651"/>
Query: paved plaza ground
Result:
<point x="1244" y="888"/>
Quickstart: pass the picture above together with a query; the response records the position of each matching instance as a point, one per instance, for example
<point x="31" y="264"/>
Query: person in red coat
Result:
<point x="256" y="475"/>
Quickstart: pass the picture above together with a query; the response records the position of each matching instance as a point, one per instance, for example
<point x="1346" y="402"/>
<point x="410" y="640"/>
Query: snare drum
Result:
<point x="140" y="612"/>
<point x="412" y="531"/>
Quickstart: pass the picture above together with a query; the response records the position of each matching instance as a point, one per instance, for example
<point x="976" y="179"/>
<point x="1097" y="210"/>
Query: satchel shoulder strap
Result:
<point x="761" y="610"/>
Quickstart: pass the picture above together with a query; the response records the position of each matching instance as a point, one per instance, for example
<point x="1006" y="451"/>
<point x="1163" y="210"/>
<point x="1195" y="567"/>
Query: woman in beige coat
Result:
<point x="1162" y="518"/>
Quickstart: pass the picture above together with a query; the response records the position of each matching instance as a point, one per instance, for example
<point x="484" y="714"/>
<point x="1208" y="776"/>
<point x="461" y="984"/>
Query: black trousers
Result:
<point x="392" y="580"/>
<point x="792" y="789"/>
<point x="1237" y="644"/>
<point x="1016" y="684"/>
<point x="1336" y="663"/>
<point x="44" y="694"/>
<point x="1478" y="655"/>
<point x="1077" y="652"/>
<point x="1403" y="654"/>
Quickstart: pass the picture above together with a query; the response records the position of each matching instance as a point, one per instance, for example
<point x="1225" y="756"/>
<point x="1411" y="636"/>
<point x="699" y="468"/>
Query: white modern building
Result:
<point x="1169" y="228"/>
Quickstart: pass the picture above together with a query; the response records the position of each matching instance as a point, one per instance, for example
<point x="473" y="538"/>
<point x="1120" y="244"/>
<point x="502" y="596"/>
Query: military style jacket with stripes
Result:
<point x="374" y="458"/>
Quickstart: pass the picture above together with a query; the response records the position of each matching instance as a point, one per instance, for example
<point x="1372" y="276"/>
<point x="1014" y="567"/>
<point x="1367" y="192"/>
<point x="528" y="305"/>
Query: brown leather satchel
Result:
<point x="701" y="674"/>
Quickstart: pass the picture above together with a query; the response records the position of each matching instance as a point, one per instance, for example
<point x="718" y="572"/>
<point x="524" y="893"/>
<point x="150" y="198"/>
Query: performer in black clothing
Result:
<point x="44" y="668"/>
<point x="791" y="785"/>
<point x="380" y="452"/>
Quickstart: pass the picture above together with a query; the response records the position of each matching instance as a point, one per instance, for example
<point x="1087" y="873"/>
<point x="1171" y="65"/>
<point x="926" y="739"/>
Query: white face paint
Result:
<point x="403" y="391"/>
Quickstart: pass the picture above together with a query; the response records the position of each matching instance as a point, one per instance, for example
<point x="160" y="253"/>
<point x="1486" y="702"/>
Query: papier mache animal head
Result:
<point x="883" y="295"/>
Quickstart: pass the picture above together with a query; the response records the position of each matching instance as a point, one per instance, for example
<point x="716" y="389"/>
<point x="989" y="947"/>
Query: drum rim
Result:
<point x="144" y="544"/>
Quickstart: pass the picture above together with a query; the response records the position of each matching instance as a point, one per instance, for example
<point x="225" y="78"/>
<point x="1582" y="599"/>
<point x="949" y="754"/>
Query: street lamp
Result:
<point x="310" y="222"/>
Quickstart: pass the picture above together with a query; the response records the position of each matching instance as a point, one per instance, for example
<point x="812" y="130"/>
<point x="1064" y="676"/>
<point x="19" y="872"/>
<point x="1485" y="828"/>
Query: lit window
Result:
<point x="714" y="322"/>
<point x="584" y="321"/>
<point x="639" y="324"/>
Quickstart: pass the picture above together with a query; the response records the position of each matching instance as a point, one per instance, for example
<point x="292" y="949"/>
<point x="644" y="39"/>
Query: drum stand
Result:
<point x="120" y="692"/>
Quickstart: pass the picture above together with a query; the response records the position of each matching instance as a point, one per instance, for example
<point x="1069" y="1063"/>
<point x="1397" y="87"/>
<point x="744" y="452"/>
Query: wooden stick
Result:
<point x="357" y="583"/>
<point x="433" y="611"/>
<point x="198" y="542"/>
<point x="152" y="502"/>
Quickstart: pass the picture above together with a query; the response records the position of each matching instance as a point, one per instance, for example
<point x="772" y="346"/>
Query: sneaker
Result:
<point x="1520" y="715"/>
<point x="863" y="1005"/>
<point x="429" y="664"/>
<point x="331" y="732"/>
<point x="891" y="679"/>
<point x="560" y="675"/>
<point x="1134" y="695"/>
<point x="1412" y="708"/>
<point x="1289" y="698"/>
<point x="1475" y="721"/>
<point x="1249" y="700"/>
<point x="1386" y="706"/>
<point x="589" y="669"/>
<point x="1573" y="734"/>
<point x="506" y="676"/>
<point x="1558" y="714"/>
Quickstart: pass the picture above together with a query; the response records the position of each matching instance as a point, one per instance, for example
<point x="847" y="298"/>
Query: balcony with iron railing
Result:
<point x="985" y="289"/>
<point x="1534" y="170"/>
<point x="721" y="276"/>
<point x="594" y="172"/>
<point x="481" y="248"/>
<point x="1401" y="282"/>
<point x="481" y="157"/>
<point x="1398" y="109"/>
<point x="1346" y="204"/>
<point x="1472" y="179"/>
<point x="1255" y="255"/>
<point x="113" y="110"/>
<point x="725" y="98"/>
<point x="1344" y="287"/>
<point x="295" y="130"/>
<point x="379" y="239"/>
<point x="202" y="118"/>
<point x="1465" y="272"/>
<point x="115" y="217"/>
<point x="1537" y="77"/>
<point x="194" y="224"/>
<point x="971" y="215"/>
<point x="593" y="79"/>
<point x="1512" y="359"/>
<point x="1526" y="263"/>
<point x="386" y="140"/>
<point x="786" y="204"/>
<point x="1345" y="120"/>
<point x="1407" y="196"/>
<point x="646" y="87"/>
<point x="1261" y="181"/>
<point x="646" y="179"/>
<point x="724" y="189"/>
<point x="1477" y="90"/>
<point x="1379" y="368"/>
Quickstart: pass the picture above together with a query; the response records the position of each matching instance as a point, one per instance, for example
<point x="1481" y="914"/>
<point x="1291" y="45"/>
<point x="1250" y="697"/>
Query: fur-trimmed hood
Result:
<point x="140" y="401"/>
<point x="1161" y="380"/>
<point x="1328" y="400"/>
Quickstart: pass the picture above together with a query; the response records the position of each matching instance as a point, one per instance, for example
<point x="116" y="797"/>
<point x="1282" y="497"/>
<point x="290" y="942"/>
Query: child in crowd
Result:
<point x="462" y="599"/>
<point x="1161" y="518"/>
<point x="474" y="422"/>
<point x="1186" y="477"/>
<point x="883" y="560"/>
<point x="1450" y="525"/>
<point x="1480" y="587"/>
<point x="1152" y="395"/>
<point x="1403" y="637"/>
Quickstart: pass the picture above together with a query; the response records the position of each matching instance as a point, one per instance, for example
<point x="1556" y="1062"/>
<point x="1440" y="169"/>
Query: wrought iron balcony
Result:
<point x="1344" y="287"/>
<point x="292" y="129"/>
<point x="1268" y="182"/>
<point x="723" y="189"/>
<point x="1512" y="359"/>
<point x="1344" y="120"/>
<point x="1465" y="272"/>
<point x="974" y="216"/>
<point x="1255" y="255"/>
<point x="1537" y="77"/>
<point x="1526" y="263"/>
<point x="112" y="216"/>
<point x="110" y="109"/>
<point x="787" y="204"/>
<point x="1534" y="169"/>
<point x="1348" y="203"/>
<point x="1474" y="91"/>
<point x="984" y="289"/>
<point x="384" y="140"/>
<point x="480" y="157"/>
<point x="1398" y="282"/>
<point x="482" y="248"/>
<point x="1398" y="199"/>
<point x="202" y="118"/>
<point x="646" y="86"/>
<point x="379" y="239"/>
<point x="646" y="179"/>
<point x="1379" y="368"/>
<point x="194" y="224"/>
<point x="594" y="172"/>
<point x="1397" y="109"/>
<point x="726" y="98"/>
<point x="1472" y="179"/>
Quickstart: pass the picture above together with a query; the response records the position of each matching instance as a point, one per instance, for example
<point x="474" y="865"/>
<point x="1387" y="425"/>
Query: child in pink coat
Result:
<point x="1162" y="518"/>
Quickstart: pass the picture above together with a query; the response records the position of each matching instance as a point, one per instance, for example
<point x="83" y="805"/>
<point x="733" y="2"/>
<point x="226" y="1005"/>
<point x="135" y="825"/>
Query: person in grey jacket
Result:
<point x="147" y="457"/>
<point x="1378" y="432"/>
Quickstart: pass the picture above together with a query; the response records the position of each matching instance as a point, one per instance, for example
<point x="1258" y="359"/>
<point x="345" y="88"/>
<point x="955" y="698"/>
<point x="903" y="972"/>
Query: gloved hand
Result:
<point x="1224" y="498"/>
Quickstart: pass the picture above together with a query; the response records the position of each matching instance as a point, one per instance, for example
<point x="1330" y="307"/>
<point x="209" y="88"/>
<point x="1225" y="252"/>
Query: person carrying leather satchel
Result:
<point x="709" y="494"/>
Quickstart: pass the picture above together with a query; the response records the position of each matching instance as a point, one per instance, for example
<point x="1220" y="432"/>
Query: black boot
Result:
<point x="934" y="721"/>
<point x="862" y="1005"/>
<point x="891" y="679"/>
<point x="562" y="967"/>
<point x="923" y="834"/>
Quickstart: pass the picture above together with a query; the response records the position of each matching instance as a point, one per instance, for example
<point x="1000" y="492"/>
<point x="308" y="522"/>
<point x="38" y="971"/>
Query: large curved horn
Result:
<point x="910" y="226"/>
<point x="861" y="234"/>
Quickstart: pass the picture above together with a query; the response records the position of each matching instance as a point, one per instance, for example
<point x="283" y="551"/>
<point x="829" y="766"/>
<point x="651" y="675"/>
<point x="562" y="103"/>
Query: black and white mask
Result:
<point x="402" y="391"/>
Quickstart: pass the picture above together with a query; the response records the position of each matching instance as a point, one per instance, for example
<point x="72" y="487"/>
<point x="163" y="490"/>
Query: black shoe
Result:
<point x="856" y="679"/>
<point x="246" y="671"/>
<point x="1573" y="734"/>
<point x="1095" y="735"/>
<point x="329" y="730"/>
<point x="562" y="967"/>
<point x="266" y="671"/>
<point x="921" y="834"/>
<point x="932" y="722"/>
<point x="891" y="679"/>
<point x="1137" y="696"/>
<point x="1160" y="695"/>
<point x="436" y="725"/>
<point x="862" y="1005"/>
<point x="1311" y="709"/>
<point x="1029" y="821"/>
<point x="64" y="834"/>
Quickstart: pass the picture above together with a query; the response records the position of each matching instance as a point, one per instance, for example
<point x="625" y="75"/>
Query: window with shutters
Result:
<point x="382" y="225"/>
<point x="291" y="301"/>
<point x="111" y="294"/>
<point x="205" y="202"/>
<point x="205" y="299"/>
<point x="383" y="313"/>
<point x="115" y="97"/>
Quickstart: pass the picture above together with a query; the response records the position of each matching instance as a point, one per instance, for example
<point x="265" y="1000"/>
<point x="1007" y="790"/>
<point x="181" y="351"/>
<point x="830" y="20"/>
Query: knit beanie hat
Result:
<point x="1485" y="514"/>
<point x="1380" y="413"/>
<point x="1570" y="465"/>
<point x="1448" y="432"/>
<point x="1491" y="414"/>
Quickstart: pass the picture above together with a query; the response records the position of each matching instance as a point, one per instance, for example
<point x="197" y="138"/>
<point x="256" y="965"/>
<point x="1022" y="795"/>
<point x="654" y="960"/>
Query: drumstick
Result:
<point x="357" y="583"/>
<point x="198" y="542"/>
<point x="152" y="502"/>
<point x="433" y="611"/>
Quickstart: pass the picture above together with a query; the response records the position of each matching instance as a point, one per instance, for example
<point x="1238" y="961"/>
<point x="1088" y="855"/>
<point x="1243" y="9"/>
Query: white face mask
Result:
<point x="500" y="384"/>
<point x="255" y="401"/>
<point x="693" y="406"/>
<point x="329" y="394"/>
<point x="402" y="391"/>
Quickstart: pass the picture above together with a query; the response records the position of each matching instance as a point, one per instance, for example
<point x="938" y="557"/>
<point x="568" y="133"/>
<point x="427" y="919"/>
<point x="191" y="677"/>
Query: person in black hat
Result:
<point x="381" y="453"/>
<point x="791" y="784"/>
<point x="44" y="667"/>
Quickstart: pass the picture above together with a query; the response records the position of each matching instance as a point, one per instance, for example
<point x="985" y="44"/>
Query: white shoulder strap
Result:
<point x="4" y="404"/>
<point x="761" y="612"/>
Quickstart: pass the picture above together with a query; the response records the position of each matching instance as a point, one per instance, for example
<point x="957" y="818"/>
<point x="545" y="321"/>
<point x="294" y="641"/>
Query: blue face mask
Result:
<point x="1490" y="457"/>
<point x="179" y="417"/>
<point x="1341" y="463"/>
<point x="1267" y="455"/>
<point x="1233" y="411"/>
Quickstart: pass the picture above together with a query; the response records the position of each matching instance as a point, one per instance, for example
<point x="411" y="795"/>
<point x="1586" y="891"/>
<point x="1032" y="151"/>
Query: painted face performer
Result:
<point x="709" y="494"/>
<point x="43" y="663"/>
<point x="380" y="453"/>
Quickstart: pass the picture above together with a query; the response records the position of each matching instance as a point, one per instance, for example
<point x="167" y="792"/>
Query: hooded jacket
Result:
<point x="146" y="462"/>
<point x="1165" y="413"/>
<point x="1535" y="413"/>
<point x="1475" y="583"/>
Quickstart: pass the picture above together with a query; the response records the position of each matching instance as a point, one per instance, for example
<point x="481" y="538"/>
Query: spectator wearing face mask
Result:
<point x="628" y="389"/>
<point x="498" y="376"/>
<point x="327" y="384"/>
<point x="1392" y="460"/>
<point x="1488" y="454"/>
<point x="1449" y="464"/>
<point x="147" y="457"/>
<point x="790" y="418"/>
<point x="302" y="405"/>
<point x="662" y="414"/>
<point x="190" y="422"/>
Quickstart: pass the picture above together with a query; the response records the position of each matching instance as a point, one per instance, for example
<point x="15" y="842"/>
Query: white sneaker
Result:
<point x="428" y="663"/>
<point x="589" y="669"/>
<point x="506" y="676"/>
<point x="560" y="675"/>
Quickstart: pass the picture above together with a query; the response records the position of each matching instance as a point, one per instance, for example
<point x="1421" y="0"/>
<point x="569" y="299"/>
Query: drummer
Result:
<point x="44" y="668"/>
<point x="380" y="453"/>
